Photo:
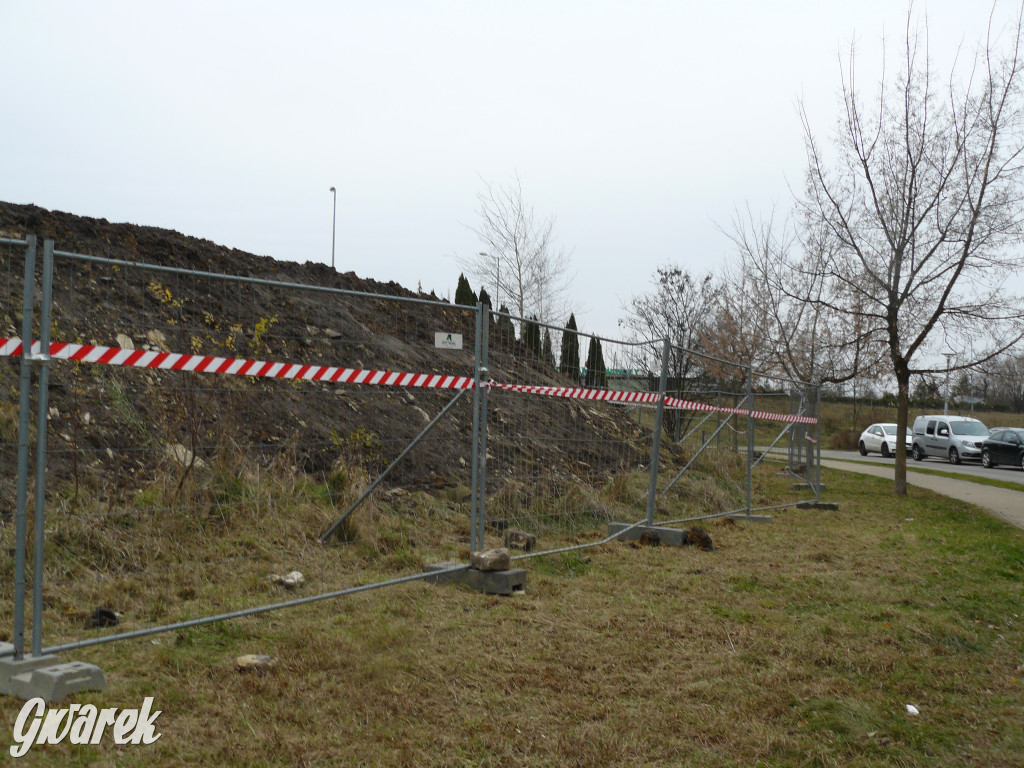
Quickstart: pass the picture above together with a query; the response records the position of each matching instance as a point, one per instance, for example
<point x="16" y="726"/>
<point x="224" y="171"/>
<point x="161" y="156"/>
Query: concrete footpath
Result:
<point x="1003" y="503"/>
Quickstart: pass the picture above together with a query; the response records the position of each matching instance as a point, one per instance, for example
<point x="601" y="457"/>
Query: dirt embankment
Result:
<point x="110" y="419"/>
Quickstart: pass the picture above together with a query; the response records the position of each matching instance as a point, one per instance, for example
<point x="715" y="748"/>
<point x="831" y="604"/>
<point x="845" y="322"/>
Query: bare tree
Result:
<point x="923" y="207"/>
<point x="678" y="309"/>
<point x="1003" y="381"/>
<point x="739" y="325"/>
<point x="807" y="327"/>
<point x="521" y="261"/>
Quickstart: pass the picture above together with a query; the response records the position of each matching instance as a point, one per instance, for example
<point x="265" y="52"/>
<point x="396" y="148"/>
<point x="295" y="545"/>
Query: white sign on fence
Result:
<point x="444" y="340"/>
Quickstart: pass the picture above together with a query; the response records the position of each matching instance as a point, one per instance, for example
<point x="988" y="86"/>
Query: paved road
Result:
<point x="1006" y="504"/>
<point x="1006" y="474"/>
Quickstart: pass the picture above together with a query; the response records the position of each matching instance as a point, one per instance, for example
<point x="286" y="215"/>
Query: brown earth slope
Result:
<point x="119" y="422"/>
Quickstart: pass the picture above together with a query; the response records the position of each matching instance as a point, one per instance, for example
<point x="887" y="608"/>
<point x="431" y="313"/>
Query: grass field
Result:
<point x="797" y="643"/>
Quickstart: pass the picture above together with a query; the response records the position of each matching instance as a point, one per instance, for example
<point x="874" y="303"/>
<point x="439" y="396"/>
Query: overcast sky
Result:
<point x="640" y="126"/>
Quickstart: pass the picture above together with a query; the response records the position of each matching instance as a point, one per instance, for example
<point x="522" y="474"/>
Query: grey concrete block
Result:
<point x="47" y="678"/>
<point x="490" y="582"/>
<point x="11" y="667"/>
<point x="669" y="537"/>
<point x="56" y="682"/>
<point x="743" y="518"/>
<point x="817" y="505"/>
<point x="806" y="487"/>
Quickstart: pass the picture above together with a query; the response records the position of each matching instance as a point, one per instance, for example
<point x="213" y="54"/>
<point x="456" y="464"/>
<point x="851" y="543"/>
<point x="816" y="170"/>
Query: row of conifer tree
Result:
<point x="593" y="374"/>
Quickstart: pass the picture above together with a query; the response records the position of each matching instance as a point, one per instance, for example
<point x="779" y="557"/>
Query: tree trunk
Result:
<point x="902" y="409"/>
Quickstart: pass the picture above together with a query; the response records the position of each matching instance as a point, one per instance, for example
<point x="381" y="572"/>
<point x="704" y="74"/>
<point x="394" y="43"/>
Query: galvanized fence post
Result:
<point x="750" y="435"/>
<point x="474" y="511"/>
<point x="652" y="486"/>
<point x="43" y="358"/>
<point x="474" y="493"/>
<point x="23" y="440"/>
<point x="485" y="324"/>
<point x="817" y="444"/>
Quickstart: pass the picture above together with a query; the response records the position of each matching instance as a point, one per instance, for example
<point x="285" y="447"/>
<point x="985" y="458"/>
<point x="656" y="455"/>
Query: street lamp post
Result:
<point x="334" y="219"/>
<point x="945" y="401"/>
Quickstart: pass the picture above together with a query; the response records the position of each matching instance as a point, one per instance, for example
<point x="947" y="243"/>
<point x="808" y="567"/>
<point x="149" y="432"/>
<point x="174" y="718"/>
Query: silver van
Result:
<point x="951" y="437"/>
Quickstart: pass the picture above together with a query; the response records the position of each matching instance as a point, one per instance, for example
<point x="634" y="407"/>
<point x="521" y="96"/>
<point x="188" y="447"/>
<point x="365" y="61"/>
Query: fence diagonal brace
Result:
<point x="380" y="478"/>
<point x="704" y="447"/>
<point x="782" y="434"/>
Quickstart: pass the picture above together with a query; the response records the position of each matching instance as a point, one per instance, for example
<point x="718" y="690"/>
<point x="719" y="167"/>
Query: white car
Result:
<point x="881" y="438"/>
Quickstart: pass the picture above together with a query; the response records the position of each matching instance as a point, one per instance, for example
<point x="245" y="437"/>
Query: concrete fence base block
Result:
<point x="669" y="537"/>
<point x="11" y="667"/>
<point x="806" y="487"/>
<point x="741" y="518"/>
<point x="46" y="677"/>
<point x="817" y="505"/>
<point x="490" y="582"/>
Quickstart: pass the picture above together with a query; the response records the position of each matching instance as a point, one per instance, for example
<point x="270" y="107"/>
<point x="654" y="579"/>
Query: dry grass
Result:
<point x="793" y="644"/>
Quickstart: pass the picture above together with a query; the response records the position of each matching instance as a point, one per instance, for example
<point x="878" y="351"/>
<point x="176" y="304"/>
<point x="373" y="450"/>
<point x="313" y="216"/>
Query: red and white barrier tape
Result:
<point x="689" y="405"/>
<point x="582" y="393"/>
<point x="172" y="361"/>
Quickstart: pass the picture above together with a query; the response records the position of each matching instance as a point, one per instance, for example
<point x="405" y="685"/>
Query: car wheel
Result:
<point x="918" y="454"/>
<point x="986" y="459"/>
<point x="954" y="456"/>
<point x="1021" y="462"/>
<point x="862" y="448"/>
<point x="885" y="451"/>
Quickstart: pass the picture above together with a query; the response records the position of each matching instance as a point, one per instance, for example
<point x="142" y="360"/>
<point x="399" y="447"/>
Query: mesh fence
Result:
<point x="12" y="271"/>
<point x="562" y="462"/>
<point x="257" y="468"/>
<point x="211" y="436"/>
<point x="794" y="444"/>
<point x="12" y="284"/>
<point x="705" y="438"/>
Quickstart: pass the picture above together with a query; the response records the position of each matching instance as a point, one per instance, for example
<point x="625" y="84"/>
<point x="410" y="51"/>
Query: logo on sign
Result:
<point x="443" y="340"/>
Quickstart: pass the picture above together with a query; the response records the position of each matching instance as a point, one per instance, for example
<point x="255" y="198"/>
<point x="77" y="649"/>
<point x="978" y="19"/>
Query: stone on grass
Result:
<point x="255" y="662"/>
<point x="491" y="560"/>
<point x="290" y="580"/>
<point x="516" y="539"/>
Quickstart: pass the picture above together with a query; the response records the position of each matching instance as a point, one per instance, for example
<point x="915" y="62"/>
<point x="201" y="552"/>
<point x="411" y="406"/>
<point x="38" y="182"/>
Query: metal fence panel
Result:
<point x="257" y="466"/>
<point x="562" y="461"/>
<point x="16" y="257"/>
<point x="290" y="428"/>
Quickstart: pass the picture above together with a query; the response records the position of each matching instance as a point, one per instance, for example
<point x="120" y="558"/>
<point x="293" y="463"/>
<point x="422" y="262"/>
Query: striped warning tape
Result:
<point x="10" y="347"/>
<point x="689" y="405"/>
<point x="582" y="393"/>
<point x="173" y="361"/>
